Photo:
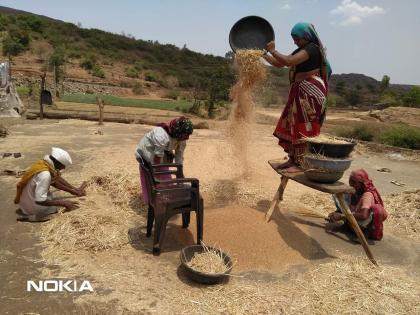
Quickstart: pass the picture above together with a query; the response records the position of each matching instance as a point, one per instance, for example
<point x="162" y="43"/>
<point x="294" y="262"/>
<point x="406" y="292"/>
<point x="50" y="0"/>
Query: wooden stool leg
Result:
<point x="355" y="226"/>
<point x="277" y="198"/>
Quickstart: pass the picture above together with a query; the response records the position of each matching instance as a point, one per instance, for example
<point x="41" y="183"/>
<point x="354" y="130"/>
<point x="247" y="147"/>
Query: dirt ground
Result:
<point x="128" y="279"/>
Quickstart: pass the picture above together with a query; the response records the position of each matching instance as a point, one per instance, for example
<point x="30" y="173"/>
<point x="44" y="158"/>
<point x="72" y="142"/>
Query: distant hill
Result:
<point x="131" y="66"/>
<point x="355" y="80"/>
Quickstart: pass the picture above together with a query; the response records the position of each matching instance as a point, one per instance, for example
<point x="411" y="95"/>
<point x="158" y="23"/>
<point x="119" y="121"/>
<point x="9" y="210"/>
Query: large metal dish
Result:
<point x="330" y="164"/>
<point x="251" y="32"/>
<point x="323" y="177"/>
<point x="334" y="150"/>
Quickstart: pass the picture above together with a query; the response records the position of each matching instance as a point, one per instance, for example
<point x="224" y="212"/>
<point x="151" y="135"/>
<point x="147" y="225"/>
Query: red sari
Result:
<point x="302" y="116"/>
<point x="379" y="212"/>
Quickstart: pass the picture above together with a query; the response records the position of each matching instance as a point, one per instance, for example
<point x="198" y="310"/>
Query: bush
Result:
<point x="125" y="84"/>
<point x="23" y="90"/>
<point x="97" y="71"/>
<point x="88" y="62"/>
<point x="131" y="73"/>
<point x="331" y="101"/>
<point x="360" y="132"/>
<point x="151" y="77"/>
<point x="412" y="98"/>
<point x="269" y="97"/>
<point x="401" y="135"/>
<point x="172" y="94"/>
<point x="138" y="89"/>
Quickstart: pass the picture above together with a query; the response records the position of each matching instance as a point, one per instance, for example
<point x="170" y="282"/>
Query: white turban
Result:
<point x="61" y="156"/>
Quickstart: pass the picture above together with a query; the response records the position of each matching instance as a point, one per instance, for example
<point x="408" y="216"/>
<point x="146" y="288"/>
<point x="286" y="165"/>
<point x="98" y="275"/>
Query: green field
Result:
<point x="129" y="102"/>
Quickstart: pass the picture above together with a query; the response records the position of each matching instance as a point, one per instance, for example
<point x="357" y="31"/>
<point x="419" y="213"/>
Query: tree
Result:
<point x="340" y="88"/>
<point x="230" y="55"/>
<point x="385" y="82"/>
<point x="353" y="97"/>
<point x="412" y="98"/>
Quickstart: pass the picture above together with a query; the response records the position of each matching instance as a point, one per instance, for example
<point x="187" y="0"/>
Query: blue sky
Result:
<point x="373" y="37"/>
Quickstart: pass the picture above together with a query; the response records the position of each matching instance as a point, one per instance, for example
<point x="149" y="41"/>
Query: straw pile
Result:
<point x="347" y="285"/>
<point x="404" y="213"/>
<point x="322" y="138"/>
<point x="101" y="222"/>
<point x="209" y="261"/>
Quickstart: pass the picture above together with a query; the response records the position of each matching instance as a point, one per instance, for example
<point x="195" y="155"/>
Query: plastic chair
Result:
<point x="170" y="197"/>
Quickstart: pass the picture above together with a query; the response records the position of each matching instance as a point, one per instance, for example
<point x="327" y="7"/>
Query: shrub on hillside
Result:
<point x="97" y="71"/>
<point x="138" y="89"/>
<point x="172" y="94"/>
<point x="88" y="62"/>
<point x="125" y="84"/>
<point x="403" y="136"/>
<point x="131" y="72"/>
<point x="412" y="98"/>
<point x="151" y="76"/>
<point x="359" y="132"/>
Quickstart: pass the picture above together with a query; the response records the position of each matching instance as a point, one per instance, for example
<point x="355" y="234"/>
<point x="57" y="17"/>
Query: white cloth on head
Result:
<point x="61" y="156"/>
<point x="37" y="190"/>
<point x="157" y="141"/>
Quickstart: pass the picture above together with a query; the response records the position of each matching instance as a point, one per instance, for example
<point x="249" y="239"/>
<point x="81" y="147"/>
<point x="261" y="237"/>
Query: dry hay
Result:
<point x="323" y="138"/>
<point x="251" y="70"/>
<point x="209" y="261"/>
<point x="346" y="285"/>
<point x="101" y="223"/>
<point x="251" y="74"/>
<point x="404" y="213"/>
<point x="320" y="204"/>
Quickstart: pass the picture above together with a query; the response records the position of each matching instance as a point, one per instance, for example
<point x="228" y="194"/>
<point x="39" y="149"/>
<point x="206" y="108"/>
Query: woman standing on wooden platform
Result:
<point x="309" y="72"/>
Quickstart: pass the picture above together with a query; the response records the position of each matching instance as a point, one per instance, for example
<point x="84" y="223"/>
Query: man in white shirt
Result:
<point x="35" y="200"/>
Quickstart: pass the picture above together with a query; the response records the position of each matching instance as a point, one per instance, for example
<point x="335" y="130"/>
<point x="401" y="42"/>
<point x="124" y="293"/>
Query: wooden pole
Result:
<point x="41" y="108"/>
<point x="355" y="226"/>
<point x="277" y="198"/>
<point x="101" y="106"/>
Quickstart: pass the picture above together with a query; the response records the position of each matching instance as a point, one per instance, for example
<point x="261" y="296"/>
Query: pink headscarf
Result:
<point x="362" y="176"/>
<point x="379" y="212"/>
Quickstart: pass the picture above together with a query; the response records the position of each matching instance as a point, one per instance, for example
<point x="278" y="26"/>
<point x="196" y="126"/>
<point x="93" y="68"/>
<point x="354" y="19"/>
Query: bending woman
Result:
<point x="163" y="141"/>
<point x="366" y="205"/>
<point x="308" y="75"/>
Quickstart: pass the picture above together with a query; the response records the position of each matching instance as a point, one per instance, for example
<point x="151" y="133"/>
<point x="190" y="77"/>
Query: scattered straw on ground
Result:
<point x="404" y="213"/>
<point x="346" y="285"/>
<point x="101" y="223"/>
